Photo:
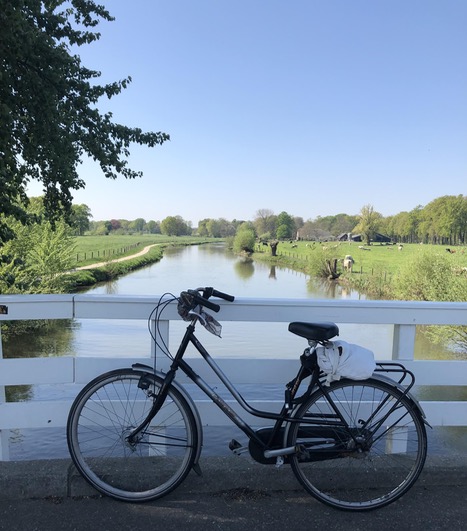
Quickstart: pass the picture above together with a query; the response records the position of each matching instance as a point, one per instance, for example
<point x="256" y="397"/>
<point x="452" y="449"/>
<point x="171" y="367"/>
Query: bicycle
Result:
<point x="135" y="433"/>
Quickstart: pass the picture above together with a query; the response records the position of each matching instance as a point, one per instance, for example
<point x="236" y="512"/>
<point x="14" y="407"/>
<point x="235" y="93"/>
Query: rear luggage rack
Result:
<point x="397" y="368"/>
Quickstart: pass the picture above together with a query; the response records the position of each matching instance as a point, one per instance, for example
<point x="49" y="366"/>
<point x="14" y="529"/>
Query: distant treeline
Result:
<point x="442" y="221"/>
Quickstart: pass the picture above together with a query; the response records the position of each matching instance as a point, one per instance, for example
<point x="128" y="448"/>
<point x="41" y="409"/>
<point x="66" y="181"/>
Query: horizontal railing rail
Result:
<point x="403" y="317"/>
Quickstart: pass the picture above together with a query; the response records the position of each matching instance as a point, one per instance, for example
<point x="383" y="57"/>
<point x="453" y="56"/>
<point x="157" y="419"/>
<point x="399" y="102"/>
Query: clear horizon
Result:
<point x="310" y="107"/>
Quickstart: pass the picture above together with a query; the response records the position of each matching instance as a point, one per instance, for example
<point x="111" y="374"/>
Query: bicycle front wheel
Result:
<point x="106" y="411"/>
<point x="361" y="445"/>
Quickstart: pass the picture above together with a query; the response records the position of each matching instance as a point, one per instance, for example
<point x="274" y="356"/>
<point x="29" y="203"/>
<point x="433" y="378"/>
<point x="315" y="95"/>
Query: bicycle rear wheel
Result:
<point x="106" y="411"/>
<point x="363" y="453"/>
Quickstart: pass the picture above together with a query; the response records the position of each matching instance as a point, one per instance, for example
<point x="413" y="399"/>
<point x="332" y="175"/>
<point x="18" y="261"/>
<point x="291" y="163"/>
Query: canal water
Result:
<point x="212" y="265"/>
<point x="191" y="267"/>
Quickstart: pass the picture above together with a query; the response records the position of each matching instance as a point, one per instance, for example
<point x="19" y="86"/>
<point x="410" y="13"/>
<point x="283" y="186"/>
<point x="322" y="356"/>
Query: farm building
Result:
<point x="379" y="238"/>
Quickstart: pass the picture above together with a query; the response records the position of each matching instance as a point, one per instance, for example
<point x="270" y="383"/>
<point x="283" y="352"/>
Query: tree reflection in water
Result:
<point x="35" y="339"/>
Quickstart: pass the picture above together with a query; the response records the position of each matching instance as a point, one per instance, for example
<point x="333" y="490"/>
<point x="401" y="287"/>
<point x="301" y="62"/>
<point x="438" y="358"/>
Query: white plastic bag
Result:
<point x="345" y="360"/>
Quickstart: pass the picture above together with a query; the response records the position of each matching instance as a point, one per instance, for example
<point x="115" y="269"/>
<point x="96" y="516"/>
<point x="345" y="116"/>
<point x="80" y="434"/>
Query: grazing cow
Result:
<point x="348" y="263"/>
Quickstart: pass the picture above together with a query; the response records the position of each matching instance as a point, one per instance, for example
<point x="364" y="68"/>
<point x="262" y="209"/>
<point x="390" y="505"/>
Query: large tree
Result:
<point x="285" y="226"/>
<point x="265" y="222"/>
<point x="444" y="220"/>
<point x="369" y="223"/>
<point x="175" y="226"/>
<point x="80" y="218"/>
<point x="49" y="117"/>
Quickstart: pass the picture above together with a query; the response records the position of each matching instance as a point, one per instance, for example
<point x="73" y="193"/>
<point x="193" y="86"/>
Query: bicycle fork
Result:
<point x="132" y="438"/>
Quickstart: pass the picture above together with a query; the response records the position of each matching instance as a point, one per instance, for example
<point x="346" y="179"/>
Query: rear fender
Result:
<point x="380" y="377"/>
<point x="400" y="387"/>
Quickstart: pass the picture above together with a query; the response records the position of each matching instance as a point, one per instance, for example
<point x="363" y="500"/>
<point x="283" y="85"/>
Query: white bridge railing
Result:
<point x="402" y="318"/>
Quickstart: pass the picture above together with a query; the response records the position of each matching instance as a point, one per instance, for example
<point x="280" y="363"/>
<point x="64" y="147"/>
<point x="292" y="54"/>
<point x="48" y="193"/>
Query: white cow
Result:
<point x="348" y="263"/>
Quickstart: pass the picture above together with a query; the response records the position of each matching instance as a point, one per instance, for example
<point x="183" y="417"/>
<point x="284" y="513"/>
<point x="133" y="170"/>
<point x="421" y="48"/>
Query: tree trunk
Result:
<point x="331" y="269"/>
<point x="274" y="247"/>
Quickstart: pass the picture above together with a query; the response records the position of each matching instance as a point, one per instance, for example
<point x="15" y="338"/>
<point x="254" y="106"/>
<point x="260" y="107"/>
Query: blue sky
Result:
<point x="305" y="106"/>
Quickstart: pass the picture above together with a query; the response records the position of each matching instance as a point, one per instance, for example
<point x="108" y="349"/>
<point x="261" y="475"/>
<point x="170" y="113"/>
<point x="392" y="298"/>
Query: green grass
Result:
<point x="381" y="259"/>
<point x="91" y="249"/>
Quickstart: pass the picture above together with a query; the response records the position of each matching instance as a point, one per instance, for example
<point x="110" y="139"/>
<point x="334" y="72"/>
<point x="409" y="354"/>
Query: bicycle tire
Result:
<point x="372" y="464"/>
<point x="106" y="411"/>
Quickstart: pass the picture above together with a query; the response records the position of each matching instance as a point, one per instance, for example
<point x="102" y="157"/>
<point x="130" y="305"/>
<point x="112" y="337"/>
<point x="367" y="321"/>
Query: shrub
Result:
<point x="433" y="277"/>
<point x="244" y="240"/>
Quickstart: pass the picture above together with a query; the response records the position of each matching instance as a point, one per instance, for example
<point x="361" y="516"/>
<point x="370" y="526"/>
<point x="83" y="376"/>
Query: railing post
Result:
<point x="4" y="434"/>
<point x="163" y="337"/>
<point x="403" y="345"/>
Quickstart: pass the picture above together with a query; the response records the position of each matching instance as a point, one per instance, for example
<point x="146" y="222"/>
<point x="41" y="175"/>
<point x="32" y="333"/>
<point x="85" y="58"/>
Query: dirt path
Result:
<point x="102" y="264"/>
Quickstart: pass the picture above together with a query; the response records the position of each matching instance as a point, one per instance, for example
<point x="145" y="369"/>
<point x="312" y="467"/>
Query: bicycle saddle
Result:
<point x="316" y="331"/>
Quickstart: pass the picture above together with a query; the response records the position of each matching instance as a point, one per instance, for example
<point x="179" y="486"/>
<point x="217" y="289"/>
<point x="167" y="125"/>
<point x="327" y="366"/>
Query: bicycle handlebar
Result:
<point x="203" y="299"/>
<point x="219" y="294"/>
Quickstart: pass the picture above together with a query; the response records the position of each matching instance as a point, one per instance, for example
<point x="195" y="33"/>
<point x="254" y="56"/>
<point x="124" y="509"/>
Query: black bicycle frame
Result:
<point x="180" y="363"/>
<point x="279" y="418"/>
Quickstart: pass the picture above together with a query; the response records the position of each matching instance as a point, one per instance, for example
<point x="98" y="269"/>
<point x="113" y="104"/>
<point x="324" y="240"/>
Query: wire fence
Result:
<point x="105" y="253"/>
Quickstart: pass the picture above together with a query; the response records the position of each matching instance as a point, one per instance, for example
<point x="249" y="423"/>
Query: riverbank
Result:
<point x="371" y="280"/>
<point x="116" y="260"/>
<point x="404" y="272"/>
<point x="90" y="274"/>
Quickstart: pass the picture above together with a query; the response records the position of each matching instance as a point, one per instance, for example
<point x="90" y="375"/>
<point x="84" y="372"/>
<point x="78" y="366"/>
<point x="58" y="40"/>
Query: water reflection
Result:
<point x="245" y="268"/>
<point x="50" y="338"/>
<point x="331" y="289"/>
<point x="18" y="393"/>
<point x="427" y="350"/>
<point x="111" y="287"/>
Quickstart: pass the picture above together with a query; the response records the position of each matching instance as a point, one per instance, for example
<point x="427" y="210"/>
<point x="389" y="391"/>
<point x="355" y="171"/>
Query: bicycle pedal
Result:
<point x="237" y="448"/>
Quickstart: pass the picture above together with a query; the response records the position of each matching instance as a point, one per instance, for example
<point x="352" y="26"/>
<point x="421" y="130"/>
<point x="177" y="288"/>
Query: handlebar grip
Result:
<point x="204" y="302"/>
<point x="211" y="305"/>
<point x="221" y="295"/>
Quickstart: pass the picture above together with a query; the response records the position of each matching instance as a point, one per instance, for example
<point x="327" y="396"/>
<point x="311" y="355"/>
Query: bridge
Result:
<point x="402" y="318"/>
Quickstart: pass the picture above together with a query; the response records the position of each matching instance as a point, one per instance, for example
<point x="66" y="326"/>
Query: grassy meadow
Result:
<point x="91" y="249"/>
<point x="368" y="259"/>
<point x="377" y="268"/>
